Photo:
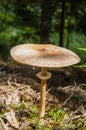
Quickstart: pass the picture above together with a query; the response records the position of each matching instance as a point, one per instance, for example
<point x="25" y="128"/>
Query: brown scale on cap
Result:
<point x="44" y="56"/>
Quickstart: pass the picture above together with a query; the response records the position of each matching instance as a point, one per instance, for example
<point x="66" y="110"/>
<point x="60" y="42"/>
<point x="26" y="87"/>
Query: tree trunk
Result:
<point x="68" y="31"/>
<point x="61" y="42"/>
<point x="46" y="19"/>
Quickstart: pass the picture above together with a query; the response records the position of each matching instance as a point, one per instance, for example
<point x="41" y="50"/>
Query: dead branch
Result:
<point x="71" y="90"/>
<point x="3" y="124"/>
<point x="78" y="116"/>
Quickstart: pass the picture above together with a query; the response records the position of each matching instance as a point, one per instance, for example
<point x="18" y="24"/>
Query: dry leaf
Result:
<point x="10" y="116"/>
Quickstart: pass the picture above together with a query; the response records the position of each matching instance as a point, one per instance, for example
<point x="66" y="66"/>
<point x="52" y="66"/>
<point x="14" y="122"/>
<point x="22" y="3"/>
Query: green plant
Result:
<point x="58" y="116"/>
<point x="83" y="50"/>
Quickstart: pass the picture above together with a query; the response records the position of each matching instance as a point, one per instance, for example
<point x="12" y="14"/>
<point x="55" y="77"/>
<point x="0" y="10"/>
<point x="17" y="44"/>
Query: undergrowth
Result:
<point x="55" y="119"/>
<point x="83" y="50"/>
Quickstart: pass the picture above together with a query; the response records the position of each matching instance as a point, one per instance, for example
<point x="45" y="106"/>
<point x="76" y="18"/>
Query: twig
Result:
<point x="76" y="88"/>
<point x="79" y="116"/>
<point x="67" y="87"/>
<point x="68" y="99"/>
<point x="14" y="83"/>
<point x="75" y="117"/>
<point x="2" y="67"/>
<point x="10" y="83"/>
<point x="77" y="109"/>
<point x="82" y="84"/>
<point x="3" y="124"/>
<point x="48" y="91"/>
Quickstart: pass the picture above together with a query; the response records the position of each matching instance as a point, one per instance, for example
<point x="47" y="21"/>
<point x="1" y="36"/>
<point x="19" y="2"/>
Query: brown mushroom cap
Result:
<point x="44" y="55"/>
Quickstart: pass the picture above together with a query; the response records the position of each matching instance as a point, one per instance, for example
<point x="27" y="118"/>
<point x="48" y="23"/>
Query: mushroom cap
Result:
<point x="44" y="55"/>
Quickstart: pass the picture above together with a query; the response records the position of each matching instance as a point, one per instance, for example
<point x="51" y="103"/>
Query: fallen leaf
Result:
<point x="10" y="116"/>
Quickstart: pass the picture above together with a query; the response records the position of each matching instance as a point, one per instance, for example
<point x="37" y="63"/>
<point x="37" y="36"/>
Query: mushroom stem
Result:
<point x="42" y="94"/>
<point x="44" y="71"/>
<point x="42" y="99"/>
<point x="43" y="75"/>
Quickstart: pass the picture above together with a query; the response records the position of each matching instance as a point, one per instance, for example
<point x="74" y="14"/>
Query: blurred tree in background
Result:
<point x="60" y="22"/>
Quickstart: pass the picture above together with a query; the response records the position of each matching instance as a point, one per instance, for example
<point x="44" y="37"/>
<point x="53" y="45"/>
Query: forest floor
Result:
<point x="20" y="96"/>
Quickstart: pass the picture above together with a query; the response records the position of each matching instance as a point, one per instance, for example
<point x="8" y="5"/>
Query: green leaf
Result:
<point x="82" y="49"/>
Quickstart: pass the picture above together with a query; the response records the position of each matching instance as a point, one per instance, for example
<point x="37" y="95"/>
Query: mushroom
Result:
<point x="43" y="56"/>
